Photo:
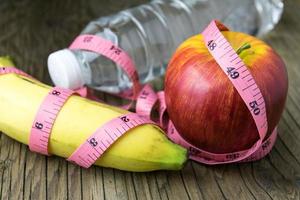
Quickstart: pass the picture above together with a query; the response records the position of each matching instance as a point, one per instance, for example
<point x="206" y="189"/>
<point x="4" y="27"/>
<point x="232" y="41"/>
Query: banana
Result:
<point x="6" y="61"/>
<point x="143" y="148"/>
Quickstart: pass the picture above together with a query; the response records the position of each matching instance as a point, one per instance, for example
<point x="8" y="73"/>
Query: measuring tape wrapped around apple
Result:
<point x="225" y="103"/>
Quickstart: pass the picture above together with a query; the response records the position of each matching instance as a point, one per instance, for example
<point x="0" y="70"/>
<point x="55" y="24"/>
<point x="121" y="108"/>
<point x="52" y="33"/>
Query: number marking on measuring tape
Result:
<point x="145" y="101"/>
<point x="86" y="154"/>
<point x="234" y="67"/>
<point x="45" y="118"/>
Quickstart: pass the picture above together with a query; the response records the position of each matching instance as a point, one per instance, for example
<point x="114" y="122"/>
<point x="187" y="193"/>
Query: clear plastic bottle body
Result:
<point x="150" y="33"/>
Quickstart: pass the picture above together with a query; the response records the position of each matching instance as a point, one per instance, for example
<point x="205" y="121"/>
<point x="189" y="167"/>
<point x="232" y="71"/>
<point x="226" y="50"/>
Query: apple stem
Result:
<point x="245" y="46"/>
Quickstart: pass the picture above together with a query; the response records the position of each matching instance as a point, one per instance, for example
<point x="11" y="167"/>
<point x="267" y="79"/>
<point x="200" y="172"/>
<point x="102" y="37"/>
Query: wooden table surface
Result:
<point x="30" y="30"/>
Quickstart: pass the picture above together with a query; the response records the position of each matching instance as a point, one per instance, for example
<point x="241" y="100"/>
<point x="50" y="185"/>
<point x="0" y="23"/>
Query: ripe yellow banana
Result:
<point x="143" y="148"/>
<point x="6" y="61"/>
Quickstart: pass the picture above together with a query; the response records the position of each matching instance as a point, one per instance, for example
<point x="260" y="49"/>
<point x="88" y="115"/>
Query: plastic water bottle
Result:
<point x="150" y="33"/>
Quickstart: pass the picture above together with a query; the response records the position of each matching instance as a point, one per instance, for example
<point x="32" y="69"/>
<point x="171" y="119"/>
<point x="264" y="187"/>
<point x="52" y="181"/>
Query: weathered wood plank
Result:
<point x="207" y="182"/>
<point x="74" y="182"/>
<point x="92" y="181"/>
<point x="52" y="25"/>
<point x="57" y="178"/>
<point x="35" y="183"/>
<point x="225" y="177"/>
<point x="12" y="162"/>
<point x="110" y="191"/>
<point x="190" y="182"/>
<point x="246" y="171"/>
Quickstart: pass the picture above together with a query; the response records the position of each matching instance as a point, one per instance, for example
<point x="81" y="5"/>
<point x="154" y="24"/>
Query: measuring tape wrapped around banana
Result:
<point x="55" y="121"/>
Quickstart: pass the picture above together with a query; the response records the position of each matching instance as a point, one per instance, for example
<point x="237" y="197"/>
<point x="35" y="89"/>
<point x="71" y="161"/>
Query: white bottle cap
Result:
<point x="64" y="69"/>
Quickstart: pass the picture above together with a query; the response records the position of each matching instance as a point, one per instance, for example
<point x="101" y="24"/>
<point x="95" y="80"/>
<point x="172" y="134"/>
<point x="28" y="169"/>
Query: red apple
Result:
<point x="204" y="106"/>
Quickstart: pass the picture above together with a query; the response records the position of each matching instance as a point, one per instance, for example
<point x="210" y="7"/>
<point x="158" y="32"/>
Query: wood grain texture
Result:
<point x="30" y="30"/>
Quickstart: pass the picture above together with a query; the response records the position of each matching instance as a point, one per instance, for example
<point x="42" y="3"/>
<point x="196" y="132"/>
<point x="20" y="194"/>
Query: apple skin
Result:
<point x="204" y="106"/>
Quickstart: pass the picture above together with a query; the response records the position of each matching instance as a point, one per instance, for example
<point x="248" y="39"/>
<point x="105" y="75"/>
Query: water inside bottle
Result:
<point x="150" y="34"/>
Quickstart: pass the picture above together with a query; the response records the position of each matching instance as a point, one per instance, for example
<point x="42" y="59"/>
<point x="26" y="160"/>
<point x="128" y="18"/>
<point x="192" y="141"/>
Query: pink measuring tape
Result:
<point x="114" y="53"/>
<point x="87" y="153"/>
<point x="105" y="136"/>
<point x="13" y="70"/>
<point x="229" y="62"/>
<point x="45" y="118"/>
